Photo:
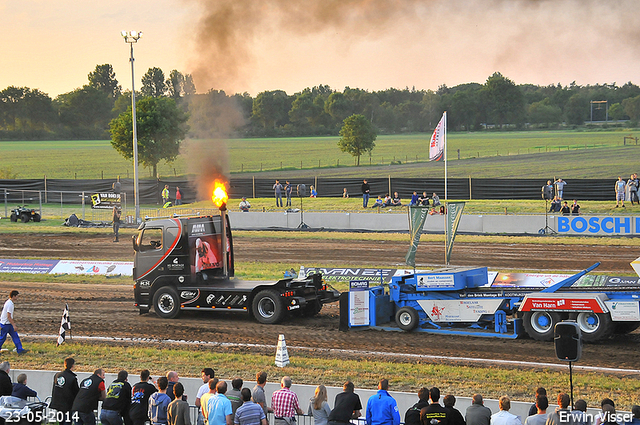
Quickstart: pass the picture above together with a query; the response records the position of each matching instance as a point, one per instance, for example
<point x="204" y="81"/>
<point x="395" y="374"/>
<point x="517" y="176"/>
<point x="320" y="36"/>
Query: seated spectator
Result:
<point x="540" y="418"/>
<point x="387" y="201"/>
<point x="442" y="210"/>
<point x="378" y="203"/>
<point x="575" y="208"/>
<point x="423" y="200"/>
<point x="433" y="211"/>
<point x="396" y="202"/>
<point x="436" y="200"/>
<point x="555" y="205"/>
<point x="565" y="209"/>
<point x="414" y="199"/>
<point x="345" y="194"/>
<point x="455" y="417"/>
<point x="20" y="388"/>
<point x="314" y="193"/>
<point x="244" y="204"/>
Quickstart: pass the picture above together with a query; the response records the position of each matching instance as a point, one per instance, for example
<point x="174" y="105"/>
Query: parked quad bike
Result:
<point x="24" y="214"/>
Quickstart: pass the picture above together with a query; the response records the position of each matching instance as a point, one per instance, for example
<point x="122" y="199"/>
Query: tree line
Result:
<point x="86" y="112"/>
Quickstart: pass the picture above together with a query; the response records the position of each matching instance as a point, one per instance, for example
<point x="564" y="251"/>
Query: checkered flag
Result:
<point x="65" y="325"/>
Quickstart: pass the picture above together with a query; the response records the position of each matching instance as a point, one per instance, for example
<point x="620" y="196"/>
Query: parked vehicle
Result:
<point x="24" y="214"/>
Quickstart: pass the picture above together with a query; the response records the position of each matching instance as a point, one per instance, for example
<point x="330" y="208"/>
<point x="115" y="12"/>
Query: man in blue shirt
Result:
<point x="219" y="407"/>
<point x="382" y="409"/>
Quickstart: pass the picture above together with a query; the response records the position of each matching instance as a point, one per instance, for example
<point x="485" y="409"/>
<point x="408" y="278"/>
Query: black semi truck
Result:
<point x="186" y="263"/>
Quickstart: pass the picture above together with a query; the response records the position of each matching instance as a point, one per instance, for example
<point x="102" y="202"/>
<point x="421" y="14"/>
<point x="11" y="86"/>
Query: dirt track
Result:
<point x="107" y="310"/>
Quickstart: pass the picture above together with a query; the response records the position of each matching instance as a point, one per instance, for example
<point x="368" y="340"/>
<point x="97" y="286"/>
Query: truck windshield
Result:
<point x="150" y="240"/>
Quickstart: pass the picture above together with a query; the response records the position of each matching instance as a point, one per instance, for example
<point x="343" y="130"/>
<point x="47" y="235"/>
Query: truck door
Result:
<point x="155" y="242"/>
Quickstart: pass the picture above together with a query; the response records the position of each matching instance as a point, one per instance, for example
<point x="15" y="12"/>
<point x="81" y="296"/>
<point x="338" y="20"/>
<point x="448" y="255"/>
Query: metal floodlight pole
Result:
<point x="132" y="37"/>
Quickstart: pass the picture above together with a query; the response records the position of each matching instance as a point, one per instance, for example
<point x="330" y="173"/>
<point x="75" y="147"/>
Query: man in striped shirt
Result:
<point x="249" y="413"/>
<point x="285" y="404"/>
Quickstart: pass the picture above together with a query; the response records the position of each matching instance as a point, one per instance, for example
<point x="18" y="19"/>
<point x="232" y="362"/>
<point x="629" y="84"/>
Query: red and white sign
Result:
<point x="561" y="304"/>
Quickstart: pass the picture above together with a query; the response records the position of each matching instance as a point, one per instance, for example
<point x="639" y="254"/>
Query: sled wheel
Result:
<point x="407" y="318"/>
<point x="539" y="324"/>
<point x="267" y="307"/>
<point x="166" y="302"/>
<point x="595" y="326"/>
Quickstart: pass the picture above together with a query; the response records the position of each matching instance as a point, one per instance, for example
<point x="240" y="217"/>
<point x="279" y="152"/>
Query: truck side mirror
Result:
<point x="135" y="245"/>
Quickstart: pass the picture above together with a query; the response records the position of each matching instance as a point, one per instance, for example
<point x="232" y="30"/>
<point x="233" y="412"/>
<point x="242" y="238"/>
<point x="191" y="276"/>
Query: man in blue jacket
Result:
<point x="382" y="409"/>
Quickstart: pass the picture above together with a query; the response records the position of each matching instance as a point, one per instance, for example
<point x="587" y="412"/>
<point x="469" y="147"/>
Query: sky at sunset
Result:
<point x="258" y="45"/>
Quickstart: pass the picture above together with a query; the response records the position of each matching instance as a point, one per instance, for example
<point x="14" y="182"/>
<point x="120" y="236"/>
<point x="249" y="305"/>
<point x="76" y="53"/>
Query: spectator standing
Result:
<point x="249" y="413"/>
<point x="382" y="409"/>
<point x="116" y="222"/>
<point x="366" y="189"/>
<point x="619" y="188"/>
<point x="533" y="410"/>
<point x="633" y="188"/>
<point x="318" y="406"/>
<point x="423" y="200"/>
<point x="560" y="184"/>
<point x="165" y="194"/>
<point x="345" y="194"/>
<point x="601" y="417"/>
<point x="435" y="199"/>
<point x="178" y="410"/>
<point x="579" y="414"/>
<point x="140" y="393"/>
<point x="116" y="186"/>
<point x="115" y="407"/>
<point x="220" y="410"/>
<point x="412" y="416"/>
<point x="173" y="378"/>
<point x="20" y="388"/>
<point x="346" y="405"/>
<point x="547" y="191"/>
<point x="277" y="189"/>
<point x="455" y="417"/>
<point x="234" y="395"/>
<point x="575" y="208"/>
<point x="92" y="390"/>
<point x="540" y="418"/>
<point x="244" y="204"/>
<point x="285" y="403"/>
<point x="206" y="374"/>
<point x="477" y="413"/>
<point x="287" y="191"/>
<point x="257" y="395"/>
<point x="434" y="414"/>
<point x="64" y="391"/>
<point x="178" y="196"/>
<point x="503" y="417"/>
<point x="159" y="403"/>
<point x="204" y="401"/>
<point x="8" y="325"/>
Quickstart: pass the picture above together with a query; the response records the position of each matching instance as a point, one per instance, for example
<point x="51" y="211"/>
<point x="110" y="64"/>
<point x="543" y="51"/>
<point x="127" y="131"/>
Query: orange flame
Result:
<point x="220" y="196"/>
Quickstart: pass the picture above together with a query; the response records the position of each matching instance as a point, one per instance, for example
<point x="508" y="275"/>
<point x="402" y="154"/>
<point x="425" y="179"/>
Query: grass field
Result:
<point x="573" y="154"/>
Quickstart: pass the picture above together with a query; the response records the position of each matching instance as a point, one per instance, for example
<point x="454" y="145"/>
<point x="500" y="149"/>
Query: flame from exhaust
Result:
<point x="220" y="196"/>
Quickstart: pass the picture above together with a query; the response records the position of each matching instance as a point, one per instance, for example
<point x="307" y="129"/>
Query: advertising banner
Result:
<point x="105" y="200"/>
<point x="454" y="213"/>
<point x="123" y="268"/>
<point x="593" y="225"/>
<point x="358" y="303"/>
<point x="27" y="266"/>
<point x="417" y="217"/>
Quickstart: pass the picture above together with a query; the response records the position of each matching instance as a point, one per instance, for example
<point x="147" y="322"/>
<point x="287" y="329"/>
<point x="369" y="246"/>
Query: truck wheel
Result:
<point x="36" y="218"/>
<point x="312" y="309"/>
<point x="166" y="302"/>
<point x="539" y="324"/>
<point x="24" y="217"/>
<point x="625" y="327"/>
<point x="407" y="318"/>
<point x="594" y="326"/>
<point x="13" y="217"/>
<point x="267" y="307"/>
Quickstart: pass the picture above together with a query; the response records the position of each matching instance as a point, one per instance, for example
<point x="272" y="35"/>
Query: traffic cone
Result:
<point x="282" y="357"/>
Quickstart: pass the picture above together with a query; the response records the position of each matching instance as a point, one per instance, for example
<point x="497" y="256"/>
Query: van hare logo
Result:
<point x="197" y="229"/>
<point x="608" y="225"/>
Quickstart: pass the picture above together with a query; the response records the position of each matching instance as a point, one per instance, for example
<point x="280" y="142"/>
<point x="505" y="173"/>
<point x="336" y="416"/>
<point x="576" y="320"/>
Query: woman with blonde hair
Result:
<point x="318" y="406"/>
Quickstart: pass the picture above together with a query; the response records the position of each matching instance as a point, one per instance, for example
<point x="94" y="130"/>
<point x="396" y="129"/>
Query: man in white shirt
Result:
<point x="207" y="374"/>
<point x="503" y="417"/>
<point x="8" y="325"/>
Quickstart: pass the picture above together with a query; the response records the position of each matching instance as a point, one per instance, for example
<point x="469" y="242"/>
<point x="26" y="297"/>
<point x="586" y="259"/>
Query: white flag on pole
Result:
<point x="436" y="147"/>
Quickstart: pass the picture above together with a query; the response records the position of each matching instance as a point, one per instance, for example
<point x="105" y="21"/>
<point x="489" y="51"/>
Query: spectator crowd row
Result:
<point x="163" y="402"/>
